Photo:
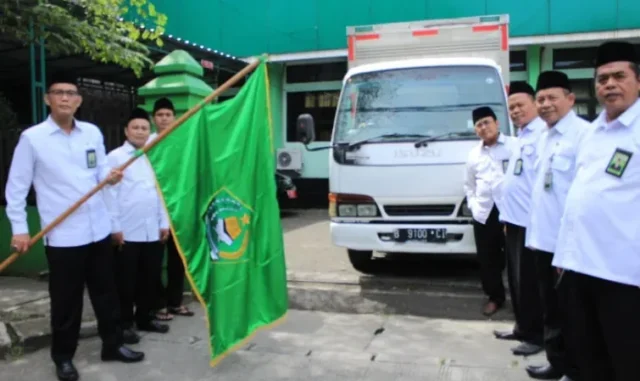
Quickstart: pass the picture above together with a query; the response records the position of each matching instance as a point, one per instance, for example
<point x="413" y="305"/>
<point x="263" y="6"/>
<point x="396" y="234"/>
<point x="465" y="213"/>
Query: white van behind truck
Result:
<point x="403" y="131"/>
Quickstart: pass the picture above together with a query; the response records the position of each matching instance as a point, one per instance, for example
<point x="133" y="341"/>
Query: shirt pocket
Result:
<point x="561" y="163"/>
<point x="85" y="154"/>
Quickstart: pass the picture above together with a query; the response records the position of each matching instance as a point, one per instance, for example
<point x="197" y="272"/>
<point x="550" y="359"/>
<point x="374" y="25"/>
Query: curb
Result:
<point x="354" y="294"/>
<point x="312" y="291"/>
<point x="28" y="337"/>
<point x="5" y="341"/>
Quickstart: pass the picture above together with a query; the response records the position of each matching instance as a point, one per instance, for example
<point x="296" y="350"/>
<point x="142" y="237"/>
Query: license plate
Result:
<point x="292" y="193"/>
<point x="421" y="235"/>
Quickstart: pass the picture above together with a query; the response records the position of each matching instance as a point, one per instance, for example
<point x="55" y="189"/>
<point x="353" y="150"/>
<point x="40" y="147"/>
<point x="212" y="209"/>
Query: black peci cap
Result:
<point x="482" y="112"/>
<point x="163" y="103"/>
<point x="614" y="51"/>
<point x="551" y="79"/>
<point x="521" y="87"/>
<point x="138" y="113"/>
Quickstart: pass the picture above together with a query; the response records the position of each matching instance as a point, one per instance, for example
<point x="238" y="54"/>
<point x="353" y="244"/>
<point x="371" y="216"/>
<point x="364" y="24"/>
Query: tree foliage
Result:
<point x="109" y="31"/>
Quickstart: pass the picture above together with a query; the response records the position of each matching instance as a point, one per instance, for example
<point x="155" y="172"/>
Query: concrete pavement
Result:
<point x="307" y="346"/>
<point x="320" y="278"/>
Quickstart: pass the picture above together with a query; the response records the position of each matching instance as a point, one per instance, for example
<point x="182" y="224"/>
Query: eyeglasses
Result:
<point x="59" y="93"/>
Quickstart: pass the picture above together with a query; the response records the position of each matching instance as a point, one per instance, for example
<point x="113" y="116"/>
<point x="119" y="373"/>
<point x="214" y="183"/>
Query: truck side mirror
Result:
<point x="305" y="129"/>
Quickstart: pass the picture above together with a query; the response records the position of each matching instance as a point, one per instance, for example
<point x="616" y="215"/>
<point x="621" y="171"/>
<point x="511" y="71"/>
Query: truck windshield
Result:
<point x="426" y="101"/>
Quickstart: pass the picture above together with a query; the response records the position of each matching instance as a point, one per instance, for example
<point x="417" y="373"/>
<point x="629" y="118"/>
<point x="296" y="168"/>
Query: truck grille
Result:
<point x="419" y="210"/>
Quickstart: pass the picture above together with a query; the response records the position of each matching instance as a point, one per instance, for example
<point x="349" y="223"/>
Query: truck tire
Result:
<point x="362" y="261"/>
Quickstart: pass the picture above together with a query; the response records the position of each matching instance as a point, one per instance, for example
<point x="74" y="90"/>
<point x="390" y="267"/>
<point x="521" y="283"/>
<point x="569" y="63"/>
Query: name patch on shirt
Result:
<point x="618" y="162"/>
<point x="517" y="170"/>
<point x="92" y="160"/>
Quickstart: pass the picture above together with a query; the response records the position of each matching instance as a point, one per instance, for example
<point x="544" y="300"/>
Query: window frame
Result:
<point x="302" y="88"/>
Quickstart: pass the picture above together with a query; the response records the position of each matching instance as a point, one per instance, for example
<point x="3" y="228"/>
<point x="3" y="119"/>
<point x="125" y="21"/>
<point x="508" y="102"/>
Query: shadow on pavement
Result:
<point x="293" y="219"/>
<point x="436" y="286"/>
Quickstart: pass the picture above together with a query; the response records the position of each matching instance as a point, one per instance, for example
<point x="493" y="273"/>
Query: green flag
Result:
<point x="216" y="175"/>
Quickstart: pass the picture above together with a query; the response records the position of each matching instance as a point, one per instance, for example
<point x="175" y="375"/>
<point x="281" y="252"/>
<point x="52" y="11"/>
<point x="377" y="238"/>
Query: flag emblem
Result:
<point x="227" y="224"/>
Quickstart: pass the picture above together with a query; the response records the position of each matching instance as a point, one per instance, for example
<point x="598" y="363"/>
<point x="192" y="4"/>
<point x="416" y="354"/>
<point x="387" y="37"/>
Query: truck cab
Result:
<point x="402" y="133"/>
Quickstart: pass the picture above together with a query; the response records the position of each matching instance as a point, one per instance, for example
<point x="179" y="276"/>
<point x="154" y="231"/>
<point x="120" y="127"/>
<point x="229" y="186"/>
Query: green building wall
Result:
<point x="34" y="261"/>
<point x="252" y="27"/>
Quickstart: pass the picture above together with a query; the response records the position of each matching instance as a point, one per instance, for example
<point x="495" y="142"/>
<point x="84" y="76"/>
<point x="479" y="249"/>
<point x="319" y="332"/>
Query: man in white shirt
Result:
<point x="599" y="239"/>
<point x="141" y="226"/>
<point x="555" y="169"/>
<point x="485" y="166"/>
<point x="170" y="302"/>
<point x="64" y="159"/>
<point x="514" y="213"/>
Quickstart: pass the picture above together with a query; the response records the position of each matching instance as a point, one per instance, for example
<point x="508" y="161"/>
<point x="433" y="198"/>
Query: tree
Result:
<point x="109" y="31"/>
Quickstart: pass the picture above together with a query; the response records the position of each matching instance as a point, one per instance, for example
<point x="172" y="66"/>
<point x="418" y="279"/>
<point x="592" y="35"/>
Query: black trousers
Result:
<point x="490" y="247"/>
<point x="138" y="267"/>
<point x="604" y="333"/>
<point x="171" y="295"/>
<point x="555" y="315"/>
<point x="523" y="286"/>
<point x="70" y="268"/>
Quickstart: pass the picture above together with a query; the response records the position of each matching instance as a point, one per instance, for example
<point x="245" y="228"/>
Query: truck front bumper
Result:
<point x="379" y="237"/>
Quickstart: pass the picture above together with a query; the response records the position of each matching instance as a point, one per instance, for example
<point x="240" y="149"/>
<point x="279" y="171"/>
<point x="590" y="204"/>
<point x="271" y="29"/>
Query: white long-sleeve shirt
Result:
<point x="485" y="167"/>
<point x="515" y="193"/>
<point x="62" y="169"/>
<point x="138" y="210"/>
<point x="556" y="161"/>
<point x="600" y="231"/>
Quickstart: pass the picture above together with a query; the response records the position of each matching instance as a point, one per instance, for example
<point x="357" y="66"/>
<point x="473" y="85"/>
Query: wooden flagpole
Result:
<point x="229" y="83"/>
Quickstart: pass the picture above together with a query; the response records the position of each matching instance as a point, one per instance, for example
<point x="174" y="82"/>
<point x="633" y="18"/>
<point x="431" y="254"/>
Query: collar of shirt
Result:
<point x="564" y="122"/>
<point x="530" y="127"/>
<point x="53" y="127"/>
<point x="128" y="147"/>
<point x="626" y="119"/>
<point x="501" y="140"/>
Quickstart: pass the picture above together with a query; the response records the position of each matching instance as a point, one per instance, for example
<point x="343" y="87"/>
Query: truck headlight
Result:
<point x="347" y="210"/>
<point x="352" y="205"/>
<point x="367" y="210"/>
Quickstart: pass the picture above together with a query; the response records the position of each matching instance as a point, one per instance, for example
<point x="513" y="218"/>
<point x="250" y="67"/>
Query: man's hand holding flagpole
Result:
<point x="15" y="252"/>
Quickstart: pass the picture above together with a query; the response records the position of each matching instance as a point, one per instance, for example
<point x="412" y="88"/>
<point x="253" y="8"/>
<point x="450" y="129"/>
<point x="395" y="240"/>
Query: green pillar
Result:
<point x="37" y="62"/>
<point x="179" y="78"/>
<point x="534" y="60"/>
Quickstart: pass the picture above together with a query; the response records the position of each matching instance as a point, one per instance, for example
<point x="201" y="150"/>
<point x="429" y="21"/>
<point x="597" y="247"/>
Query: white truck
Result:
<point x="403" y="130"/>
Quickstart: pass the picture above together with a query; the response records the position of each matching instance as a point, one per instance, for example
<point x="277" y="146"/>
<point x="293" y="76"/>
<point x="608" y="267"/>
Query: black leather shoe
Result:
<point x="526" y="349"/>
<point x="505" y="335"/>
<point x="130" y="337"/>
<point x="66" y="371"/>
<point x="546" y="372"/>
<point x="122" y="354"/>
<point x="154" y="326"/>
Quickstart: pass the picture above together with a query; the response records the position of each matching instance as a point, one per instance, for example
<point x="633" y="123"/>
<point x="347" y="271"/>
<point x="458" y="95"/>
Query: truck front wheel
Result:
<point x="362" y="261"/>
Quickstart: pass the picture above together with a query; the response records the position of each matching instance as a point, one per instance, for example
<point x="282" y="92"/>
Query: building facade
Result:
<point x="307" y="43"/>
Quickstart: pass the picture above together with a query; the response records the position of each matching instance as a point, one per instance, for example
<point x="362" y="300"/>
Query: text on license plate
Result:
<point x="424" y="235"/>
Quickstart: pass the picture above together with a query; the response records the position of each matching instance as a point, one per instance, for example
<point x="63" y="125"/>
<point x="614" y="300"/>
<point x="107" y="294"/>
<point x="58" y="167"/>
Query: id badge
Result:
<point x="548" y="179"/>
<point x="505" y="165"/>
<point x="92" y="160"/>
<point x="618" y="162"/>
<point x="517" y="170"/>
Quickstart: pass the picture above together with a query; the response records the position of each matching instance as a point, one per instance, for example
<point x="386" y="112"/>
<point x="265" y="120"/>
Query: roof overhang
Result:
<point x="515" y="43"/>
<point x="16" y="58"/>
